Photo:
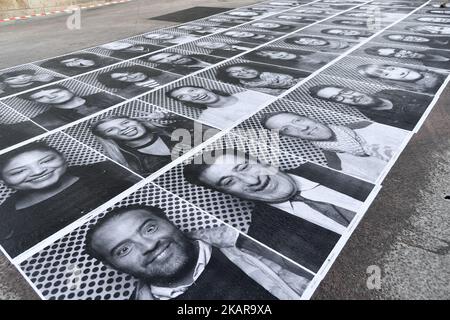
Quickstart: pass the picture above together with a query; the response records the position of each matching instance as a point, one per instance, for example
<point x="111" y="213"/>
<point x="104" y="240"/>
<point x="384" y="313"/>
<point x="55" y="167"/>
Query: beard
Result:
<point x="376" y="103"/>
<point x="180" y="266"/>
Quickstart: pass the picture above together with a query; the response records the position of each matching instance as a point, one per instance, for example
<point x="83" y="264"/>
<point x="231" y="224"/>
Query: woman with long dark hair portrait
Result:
<point x="48" y="193"/>
<point x="143" y="145"/>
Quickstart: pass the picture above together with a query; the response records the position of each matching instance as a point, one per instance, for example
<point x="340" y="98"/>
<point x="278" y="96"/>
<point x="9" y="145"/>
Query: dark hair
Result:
<point x="111" y="215"/>
<point x="106" y="79"/>
<point x="196" y="167"/>
<point x="34" y="146"/>
<point x="374" y="50"/>
<point x="293" y="39"/>
<point x="56" y="64"/>
<point x="192" y="104"/>
<point x="27" y="95"/>
<point x="414" y="29"/>
<point x="315" y="89"/>
<point x="265" y="117"/>
<point x="362" y="33"/>
<point x="224" y="76"/>
<point x="6" y="75"/>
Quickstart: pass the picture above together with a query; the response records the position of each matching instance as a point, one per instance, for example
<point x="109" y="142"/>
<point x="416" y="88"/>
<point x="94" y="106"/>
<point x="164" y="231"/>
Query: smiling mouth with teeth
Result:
<point x="129" y="131"/>
<point x="40" y="178"/>
<point x="202" y="97"/>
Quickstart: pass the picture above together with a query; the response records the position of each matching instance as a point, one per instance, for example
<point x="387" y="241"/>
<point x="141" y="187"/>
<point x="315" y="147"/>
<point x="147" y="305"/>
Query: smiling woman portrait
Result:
<point x="48" y="194"/>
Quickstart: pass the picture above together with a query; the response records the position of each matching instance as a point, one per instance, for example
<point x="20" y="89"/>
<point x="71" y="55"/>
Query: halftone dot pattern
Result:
<point x="319" y="29"/>
<point x="348" y="68"/>
<point x="305" y="33"/>
<point x="109" y="53"/>
<point x="76" y="155"/>
<point x="31" y="109"/>
<point x="416" y="62"/>
<point x="159" y="97"/>
<point x="366" y="24"/>
<point x="303" y="96"/>
<point x="212" y="73"/>
<point x="227" y="208"/>
<point x="135" y="109"/>
<point x="252" y="128"/>
<point x="158" y="42"/>
<point x="383" y="38"/>
<point x="92" y="78"/>
<point x="64" y="270"/>
<point x="9" y="116"/>
<point x="36" y="71"/>
<point x="143" y="60"/>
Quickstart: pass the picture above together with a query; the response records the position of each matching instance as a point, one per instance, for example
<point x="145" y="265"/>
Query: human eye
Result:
<point x="123" y="250"/>
<point x="226" y="182"/>
<point x="16" y="172"/>
<point x="48" y="159"/>
<point x="241" y="167"/>
<point x="149" y="227"/>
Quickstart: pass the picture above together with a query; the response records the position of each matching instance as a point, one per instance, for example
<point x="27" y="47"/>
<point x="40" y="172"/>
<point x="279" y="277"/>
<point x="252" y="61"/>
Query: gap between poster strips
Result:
<point x="175" y="162"/>
<point x="224" y="132"/>
<point x="368" y="204"/>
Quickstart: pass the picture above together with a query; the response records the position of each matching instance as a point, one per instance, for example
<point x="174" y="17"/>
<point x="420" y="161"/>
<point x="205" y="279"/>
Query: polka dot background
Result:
<point x="32" y="109"/>
<point x="76" y="154"/>
<point x="64" y="271"/>
<point x="9" y="116"/>
<point x="229" y="209"/>
<point x="348" y="68"/>
<point x="252" y="128"/>
<point x="159" y="97"/>
<point x="157" y="42"/>
<point x="302" y="94"/>
<point x="38" y="71"/>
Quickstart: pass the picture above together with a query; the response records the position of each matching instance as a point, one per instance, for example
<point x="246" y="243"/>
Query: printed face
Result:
<point x="170" y="58"/>
<point x="78" y="63"/>
<point x="123" y="129"/>
<point x="312" y="11"/>
<point x="131" y="77"/>
<point x="212" y="45"/>
<point x="286" y="17"/>
<point x="115" y="46"/>
<point x="297" y="126"/>
<point x="52" y="96"/>
<point x="266" y="25"/>
<point x="311" y="42"/>
<point x="358" y="14"/>
<point x="34" y="170"/>
<point x="144" y="245"/>
<point x="353" y="22"/>
<point x="195" y="95"/>
<point x="343" y="32"/>
<point x="434" y="19"/>
<point x="406" y="38"/>
<point x="392" y="73"/>
<point x="432" y="29"/>
<point x="276" y="55"/>
<point x="347" y="96"/>
<point x="399" y="53"/>
<point x="160" y="36"/>
<point x="190" y="28"/>
<point x="248" y="179"/>
<point x="243" y="14"/>
<point x="241" y="72"/>
<point x="240" y="34"/>
<point x="19" y="80"/>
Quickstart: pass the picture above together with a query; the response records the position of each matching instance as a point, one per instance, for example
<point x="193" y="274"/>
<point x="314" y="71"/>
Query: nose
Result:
<point x="248" y="178"/>
<point x="37" y="170"/>
<point x="147" y="246"/>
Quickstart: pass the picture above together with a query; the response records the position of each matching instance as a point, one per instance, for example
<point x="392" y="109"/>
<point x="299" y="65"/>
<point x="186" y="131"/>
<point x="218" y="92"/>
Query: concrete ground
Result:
<point x="406" y="231"/>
